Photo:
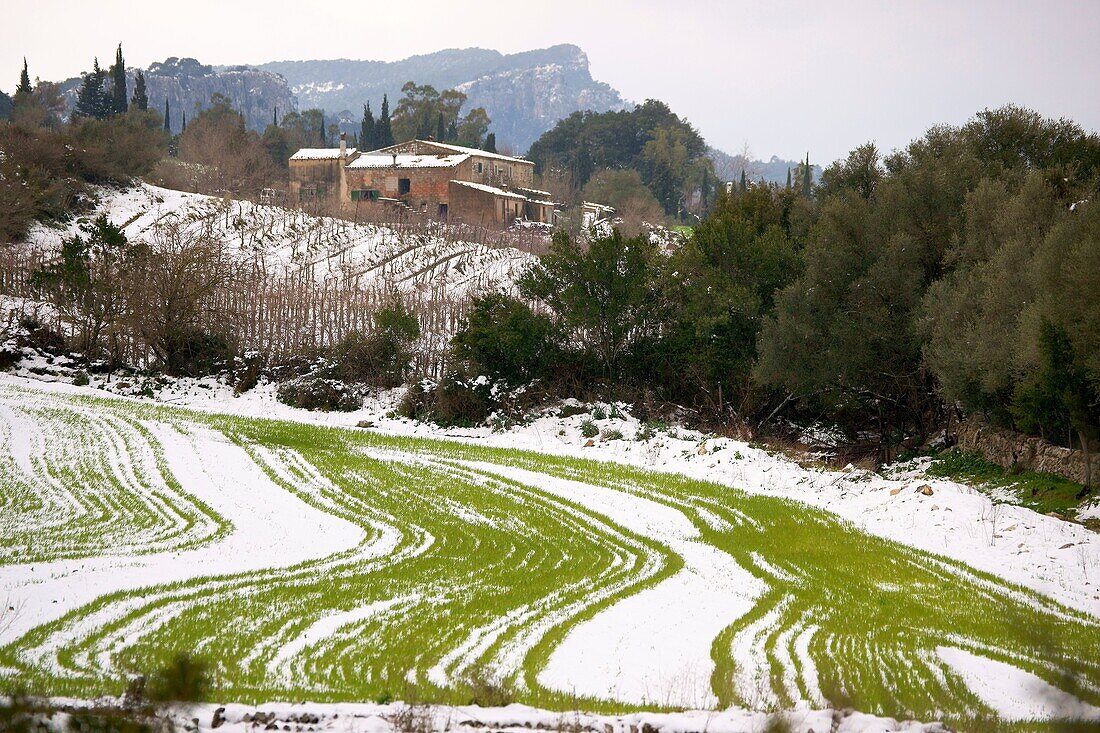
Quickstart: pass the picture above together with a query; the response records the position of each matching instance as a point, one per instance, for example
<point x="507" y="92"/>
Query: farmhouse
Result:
<point x="438" y="179"/>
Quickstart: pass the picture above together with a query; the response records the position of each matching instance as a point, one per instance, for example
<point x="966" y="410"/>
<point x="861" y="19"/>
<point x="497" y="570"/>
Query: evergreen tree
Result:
<point x="24" y="80"/>
<point x="440" y="128"/>
<point x="321" y="131"/>
<point x="140" y="99"/>
<point x="367" y="131"/>
<point x="167" y="118"/>
<point x="788" y="177"/>
<point x="385" y="131"/>
<point x="275" y="117"/>
<point x="92" y="99"/>
<point x="452" y="132"/>
<point x="491" y="142"/>
<point x="118" y="84"/>
<point x="744" y="181"/>
<point x="807" y="178"/>
<point x="6" y="106"/>
<point x="183" y="127"/>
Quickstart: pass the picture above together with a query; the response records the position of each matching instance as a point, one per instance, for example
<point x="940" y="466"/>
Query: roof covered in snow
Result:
<point x="378" y="160"/>
<point x="320" y="153"/>
<point x="459" y="149"/>
<point x="490" y="189"/>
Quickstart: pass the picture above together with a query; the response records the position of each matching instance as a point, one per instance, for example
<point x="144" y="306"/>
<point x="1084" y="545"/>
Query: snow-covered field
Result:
<point x="670" y="572"/>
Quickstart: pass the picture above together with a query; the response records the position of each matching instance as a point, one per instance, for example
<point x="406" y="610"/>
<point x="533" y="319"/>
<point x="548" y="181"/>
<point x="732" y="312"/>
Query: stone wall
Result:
<point x="1007" y="448"/>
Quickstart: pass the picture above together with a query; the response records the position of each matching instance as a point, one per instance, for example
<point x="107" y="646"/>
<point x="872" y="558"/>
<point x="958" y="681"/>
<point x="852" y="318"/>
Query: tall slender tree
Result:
<point x="367" y="132"/>
<point x="321" y="132"/>
<point x="183" y="127"/>
<point x="807" y="178"/>
<point x="788" y="177"/>
<point x="275" y="117"/>
<point x="140" y="100"/>
<point x="491" y="142"/>
<point x="385" y="130"/>
<point x="118" y="83"/>
<point x="440" y="128"/>
<point x="167" y="118"/>
<point x="24" y="80"/>
<point x="744" y="181"/>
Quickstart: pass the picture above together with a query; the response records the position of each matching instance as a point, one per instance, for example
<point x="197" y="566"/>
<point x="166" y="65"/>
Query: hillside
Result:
<point x="524" y="93"/>
<point x="188" y="86"/>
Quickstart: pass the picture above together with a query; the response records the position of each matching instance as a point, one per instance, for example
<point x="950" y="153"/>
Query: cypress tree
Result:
<point x="807" y="178"/>
<point x="183" y="127"/>
<point x="744" y="181"/>
<point x="321" y="132"/>
<point x="452" y="132"/>
<point x="118" y="84"/>
<point x="92" y="100"/>
<point x="788" y="177"/>
<point x="140" y="99"/>
<point x="167" y="118"/>
<point x="275" y="117"/>
<point x="440" y="128"/>
<point x="491" y="142"/>
<point x="24" y="80"/>
<point x="385" y="131"/>
<point x="367" y="132"/>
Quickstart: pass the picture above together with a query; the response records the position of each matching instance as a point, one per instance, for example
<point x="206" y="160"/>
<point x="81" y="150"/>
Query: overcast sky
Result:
<point x="782" y="77"/>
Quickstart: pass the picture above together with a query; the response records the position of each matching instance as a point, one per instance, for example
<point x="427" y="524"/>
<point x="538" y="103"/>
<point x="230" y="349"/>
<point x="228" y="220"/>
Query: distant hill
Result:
<point x="188" y="85"/>
<point x="728" y="167"/>
<point x="524" y="93"/>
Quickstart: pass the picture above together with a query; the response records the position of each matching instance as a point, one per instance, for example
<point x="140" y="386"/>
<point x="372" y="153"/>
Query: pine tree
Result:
<point x="367" y="131"/>
<point x="183" y="127"/>
<point x="92" y="99"/>
<point x="275" y="117"/>
<point x="452" y="132"/>
<point x="321" y="132"/>
<point x="788" y="177"/>
<point x="118" y="83"/>
<point x="167" y="118"/>
<point x="744" y="181"/>
<point x="385" y="131"/>
<point x="807" y="178"/>
<point x="440" y="128"/>
<point x="491" y="142"/>
<point x="24" y="81"/>
<point x="140" y="99"/>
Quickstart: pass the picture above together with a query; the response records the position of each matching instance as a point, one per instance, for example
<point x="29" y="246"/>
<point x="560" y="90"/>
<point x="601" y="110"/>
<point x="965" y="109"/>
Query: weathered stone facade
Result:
<point x="420" y="174"/>
<point x="1007" y="449"/>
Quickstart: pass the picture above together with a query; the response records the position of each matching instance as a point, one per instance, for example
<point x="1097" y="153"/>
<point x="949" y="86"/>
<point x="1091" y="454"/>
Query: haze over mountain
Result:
<point x="524" y="93"/>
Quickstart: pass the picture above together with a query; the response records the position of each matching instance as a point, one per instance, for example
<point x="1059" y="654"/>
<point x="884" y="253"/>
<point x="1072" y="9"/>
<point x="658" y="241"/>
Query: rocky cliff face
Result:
<point x="524" y="93"/>
<point x="188" y="86"/>
<point x="526" y="101"/>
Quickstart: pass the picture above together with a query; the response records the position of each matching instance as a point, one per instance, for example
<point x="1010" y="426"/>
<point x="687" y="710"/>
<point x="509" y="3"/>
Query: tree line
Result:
<point x="959" y="275"/>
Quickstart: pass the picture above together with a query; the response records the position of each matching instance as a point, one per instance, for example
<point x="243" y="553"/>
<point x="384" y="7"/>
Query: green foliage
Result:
<point x="119" y="103"/>
<point x="140" y="100"/>
<point x="505" y="340"/>
<point x="382" y="357"/>
<point x="1043" y="492"/>
<point x="184" y="679"/>
<point x="424" y="113"/>
<point x="589" y="429"/>
<point x="93" y="99"/>
<point x="669" y="153"/>
<point x="319" y="393"/>
<point x="716" y="290"/>
<point x="603" y="296"/>
<point x="6" y="106"/>
<point x="456" y="400"/>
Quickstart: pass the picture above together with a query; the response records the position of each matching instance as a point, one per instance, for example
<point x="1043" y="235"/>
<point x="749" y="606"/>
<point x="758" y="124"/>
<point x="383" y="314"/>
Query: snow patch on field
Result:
<point x="1015" y="694"/>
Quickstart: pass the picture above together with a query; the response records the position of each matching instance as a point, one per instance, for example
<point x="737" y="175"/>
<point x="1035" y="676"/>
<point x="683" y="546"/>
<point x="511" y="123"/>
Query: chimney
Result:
<point x="343" y="145"/>
<point x="394" y="160"/>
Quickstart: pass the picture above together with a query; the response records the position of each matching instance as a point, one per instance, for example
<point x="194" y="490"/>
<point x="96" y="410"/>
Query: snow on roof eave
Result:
<point x="405" y="160"/>
<point x="320" y="153"/>
<point x="490" y="189"/>
<point x="457" y="149"/>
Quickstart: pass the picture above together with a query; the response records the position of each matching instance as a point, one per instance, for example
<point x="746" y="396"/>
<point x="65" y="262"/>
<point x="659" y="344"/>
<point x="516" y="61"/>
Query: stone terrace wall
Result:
<point x="1007" y="448"/>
